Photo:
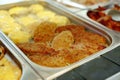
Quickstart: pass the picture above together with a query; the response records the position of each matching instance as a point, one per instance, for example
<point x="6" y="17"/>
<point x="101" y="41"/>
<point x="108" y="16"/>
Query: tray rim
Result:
<point x="73" y="66"/>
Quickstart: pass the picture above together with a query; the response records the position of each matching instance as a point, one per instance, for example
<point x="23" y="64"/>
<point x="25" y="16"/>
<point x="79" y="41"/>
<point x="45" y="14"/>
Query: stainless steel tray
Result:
<point x="80" y="6"/>
<point x="10" y="58"/>
<point x="12" y="55"/>
<point x="83" y="13"/>
<point x="47" y="73"/>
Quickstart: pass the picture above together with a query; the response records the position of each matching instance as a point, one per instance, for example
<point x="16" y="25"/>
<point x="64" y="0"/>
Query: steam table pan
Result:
<point x="76" y="5"/>
<point x="49" y="73"/>
<point x="84" y="13"/>
<point x="26" y="72"/>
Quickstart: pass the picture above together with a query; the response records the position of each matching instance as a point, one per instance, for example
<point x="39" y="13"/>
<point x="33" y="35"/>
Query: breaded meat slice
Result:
<point x="45" y="32"/>
<point x="63" y="40"/>
<point x="76" y="30"/>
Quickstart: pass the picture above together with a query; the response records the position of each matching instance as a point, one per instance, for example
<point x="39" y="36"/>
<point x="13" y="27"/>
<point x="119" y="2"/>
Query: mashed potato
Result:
<point x="3" y="13"/>
<point x="8" y="71"/>
<point x="19" y="36"/>
<point x="20" y="22"/>
<point x="27" y="21"/>
<point x="10" y="27"/>
<point x="7" y="23"/>
<point x="36" y="8"/>
<point x="18" y="11"/>
<point x="46" y="15"/>
<point x="60" y="20"/>
<point x="5" y="17"/>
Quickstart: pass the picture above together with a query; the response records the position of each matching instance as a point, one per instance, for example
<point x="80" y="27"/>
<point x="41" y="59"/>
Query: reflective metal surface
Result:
<point x="32" y="70"/>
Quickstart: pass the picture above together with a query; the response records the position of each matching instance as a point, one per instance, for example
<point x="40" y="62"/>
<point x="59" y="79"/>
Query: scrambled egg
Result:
<point x="36" y="8"/>
<point x="8" y="71"/>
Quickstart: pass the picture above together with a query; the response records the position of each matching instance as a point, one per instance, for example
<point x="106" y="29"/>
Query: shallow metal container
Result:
<point x="8" y="55"/>
<point x="12" y="56"/>
<point x="83" y="13"/>
<point x="80" y="6"/>
<point x="48" y="73"/>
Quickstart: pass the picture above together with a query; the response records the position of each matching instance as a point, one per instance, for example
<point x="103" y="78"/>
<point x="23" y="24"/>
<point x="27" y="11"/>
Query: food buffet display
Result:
<point x="104" y="18"/>
<point x="50" y="38"/>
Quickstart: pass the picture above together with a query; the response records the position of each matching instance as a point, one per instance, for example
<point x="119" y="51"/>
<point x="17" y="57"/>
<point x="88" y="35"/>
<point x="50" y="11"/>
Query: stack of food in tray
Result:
<point x="8" y="70"/>
<point x="47" y="38"/>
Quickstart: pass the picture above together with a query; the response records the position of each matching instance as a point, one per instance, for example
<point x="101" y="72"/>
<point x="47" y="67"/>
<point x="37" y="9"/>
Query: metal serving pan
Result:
<point x="84" y="14"/>
<point x="10" y="57"/>
<point x="27" y="73"/>
<point x="79" y="5"/>
<point x="48" y="73"/>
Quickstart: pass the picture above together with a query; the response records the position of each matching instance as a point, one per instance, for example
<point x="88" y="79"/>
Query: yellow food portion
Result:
<point x="60" y="20"/>
<point x="63" y="40"/>
<point x="20" y="22"/>
<point x="18" y="11"/>
<point x="8" y="71"/>
<point x="5" y="17"/>
<point x="10" y="27"/>
<point x="3" y="13"/>
<point x="29" y="23"/>
<point x="44" y="32"/>
<point x="7" y="23"/>
<point x="36" y="8"/>
<point x="19" y="36"/>
<point x="46" y="15"/>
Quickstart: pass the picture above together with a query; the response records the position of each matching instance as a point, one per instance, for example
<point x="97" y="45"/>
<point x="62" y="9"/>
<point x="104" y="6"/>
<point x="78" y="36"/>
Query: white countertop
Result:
<point x="9" y="1"/>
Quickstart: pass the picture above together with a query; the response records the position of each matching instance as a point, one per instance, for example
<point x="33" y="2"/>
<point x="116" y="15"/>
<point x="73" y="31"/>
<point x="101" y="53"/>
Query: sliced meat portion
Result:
<point x="63" y="40"/>
<point x="36" y="48"/>
<point x="65" y="57"/>
<point x="76" y="30"/>
<point x="42" y="55"/>
<point x="45" y="32"/>
<point x="105" y="19"/>
<point x="70" y="43"/>
<point x="85" y="40"/>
